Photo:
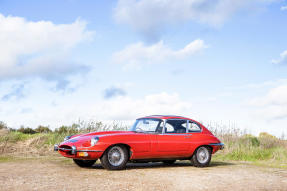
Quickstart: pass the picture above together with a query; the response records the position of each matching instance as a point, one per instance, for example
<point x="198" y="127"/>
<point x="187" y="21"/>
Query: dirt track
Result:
<point x="61" y="174"/>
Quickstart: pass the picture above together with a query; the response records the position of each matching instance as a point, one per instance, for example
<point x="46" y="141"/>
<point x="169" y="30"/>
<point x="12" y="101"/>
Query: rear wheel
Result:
<point x="84" y="163"/>
<point x="115" y="158"/>
<point x="201" y="157"/>
<point x="169" y="161"/>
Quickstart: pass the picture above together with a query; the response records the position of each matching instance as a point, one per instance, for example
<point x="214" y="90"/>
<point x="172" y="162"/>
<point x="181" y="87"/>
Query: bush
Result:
<point x="268" y="141"/>
<point x="3" y="125"/>
<point x="68" y="129"/>
<point x="26" y="130"/>
<point x="249" y="140"/>
<point x="43" y="129"/>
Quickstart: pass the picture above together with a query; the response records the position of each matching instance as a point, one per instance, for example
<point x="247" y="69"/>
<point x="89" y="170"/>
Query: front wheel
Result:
<point x="84" y="163"/>
<point x="201" y="157"/>
<point x="115" y="158"/>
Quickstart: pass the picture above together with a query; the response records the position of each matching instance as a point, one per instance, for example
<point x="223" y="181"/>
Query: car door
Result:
<point x="144" y="138"/>
<point x="174" y="141"/>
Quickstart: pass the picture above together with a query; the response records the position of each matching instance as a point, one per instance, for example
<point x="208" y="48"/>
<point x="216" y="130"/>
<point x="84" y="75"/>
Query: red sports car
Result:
<point x="151" y="138"/>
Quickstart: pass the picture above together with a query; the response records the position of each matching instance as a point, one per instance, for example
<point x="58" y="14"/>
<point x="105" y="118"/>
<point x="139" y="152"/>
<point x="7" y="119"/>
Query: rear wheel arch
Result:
<point x="200" y="160"/>
<point x="208" y="146"/>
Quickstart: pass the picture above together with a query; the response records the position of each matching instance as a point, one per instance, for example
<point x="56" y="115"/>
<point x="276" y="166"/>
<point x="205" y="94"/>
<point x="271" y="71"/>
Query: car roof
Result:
<point x="166" y="117"/>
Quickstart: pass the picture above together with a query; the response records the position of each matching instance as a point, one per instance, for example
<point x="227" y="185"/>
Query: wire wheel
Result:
<point x="202" y="155"/>
<point x="116" y="156"/>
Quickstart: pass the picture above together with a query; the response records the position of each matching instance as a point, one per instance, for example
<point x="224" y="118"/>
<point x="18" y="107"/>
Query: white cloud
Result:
<point x="136" y="55"/>
<point x="275" y="96"/>
<point x="130" y="108"/>
<point x="274" y="104"/>
<point x="148" y="16"/>
<point x="40" y="48"/>
<point x="282" y="59"/>
<point x="119" y="108"/>
<point x="283" y="8"/>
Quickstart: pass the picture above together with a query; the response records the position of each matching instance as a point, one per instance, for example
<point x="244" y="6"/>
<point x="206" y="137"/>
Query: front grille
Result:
<point x="66" y="149"/>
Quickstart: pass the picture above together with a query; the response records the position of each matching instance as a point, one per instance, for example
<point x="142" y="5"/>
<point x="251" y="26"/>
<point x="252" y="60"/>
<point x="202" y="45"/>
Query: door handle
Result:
<point x="187" y="137"/>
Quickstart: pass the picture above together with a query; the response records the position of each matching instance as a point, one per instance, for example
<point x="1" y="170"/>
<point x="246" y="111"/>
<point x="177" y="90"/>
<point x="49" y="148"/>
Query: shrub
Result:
<point x="26" y="130"/>
<point x="43" y="129"/>
<point x="68" y="129"/>
<point x="12" y="130"/>
<point x="3" y="125"/>
<point x="268" y="141"/>
<point x="249" y="140"/>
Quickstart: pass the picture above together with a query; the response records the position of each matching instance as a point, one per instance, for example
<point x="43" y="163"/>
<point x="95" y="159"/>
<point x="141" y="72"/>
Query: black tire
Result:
<point x="84" y="163"/>
<point x="201" y="157"/>
<point x="118" y="162"/>
<point x="169" y="162"/>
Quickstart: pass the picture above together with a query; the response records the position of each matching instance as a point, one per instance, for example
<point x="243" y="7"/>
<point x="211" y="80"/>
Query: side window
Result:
<point x="193" y="127"/>
<point x="175" y="126"/>
<point x="147" y="125"/>
<point x="169" y="128"/>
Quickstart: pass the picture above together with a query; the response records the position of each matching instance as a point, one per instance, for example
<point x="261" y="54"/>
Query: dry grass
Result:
<point x="239" y="146"/>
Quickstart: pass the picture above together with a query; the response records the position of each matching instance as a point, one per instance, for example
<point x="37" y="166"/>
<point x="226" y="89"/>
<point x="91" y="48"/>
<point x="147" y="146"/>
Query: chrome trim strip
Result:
<point x="216" y="144"/>
<point x="64" y="149"/>
<point x="185" y="134"/>
<point x="88" y="151"/>
<point x="163" y="129"/>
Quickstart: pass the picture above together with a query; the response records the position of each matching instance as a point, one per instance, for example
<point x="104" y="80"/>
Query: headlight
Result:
<point x="67" y="137"/>
<point x="94" y="141"/>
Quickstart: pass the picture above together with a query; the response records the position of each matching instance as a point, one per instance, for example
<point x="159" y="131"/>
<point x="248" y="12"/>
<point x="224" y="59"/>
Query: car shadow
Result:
<point x="220" y="163"/>
<point x="150" y="165"/>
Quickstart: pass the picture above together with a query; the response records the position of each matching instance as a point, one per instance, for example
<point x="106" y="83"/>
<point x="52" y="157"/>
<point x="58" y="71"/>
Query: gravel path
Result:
<point x="60" y="174"/>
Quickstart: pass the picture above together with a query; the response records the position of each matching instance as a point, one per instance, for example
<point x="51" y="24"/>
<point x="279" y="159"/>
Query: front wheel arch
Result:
<point x="115" y="157"/>
<point x="119" y="144"/>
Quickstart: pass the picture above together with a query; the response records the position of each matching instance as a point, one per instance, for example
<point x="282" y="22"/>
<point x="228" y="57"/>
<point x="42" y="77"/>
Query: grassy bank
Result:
<point x="264" y="149"/>
<point x="239" y="146"/>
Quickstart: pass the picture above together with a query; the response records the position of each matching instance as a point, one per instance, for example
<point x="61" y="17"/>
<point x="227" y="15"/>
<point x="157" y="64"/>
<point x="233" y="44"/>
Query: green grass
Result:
<point x="265" y="150"/>
<point x="5" y="158"/>
<point x="254" y="154"/>
<point x="49" y="138"/>
<point x="13" y="137"/>
<point x="53" y="138"/>
<point x="261" y="150"/>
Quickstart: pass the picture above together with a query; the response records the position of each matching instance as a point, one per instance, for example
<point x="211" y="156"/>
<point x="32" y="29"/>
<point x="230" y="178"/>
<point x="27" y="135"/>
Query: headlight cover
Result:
<point x="94" y="141"/>
<point x="67" y="137"/>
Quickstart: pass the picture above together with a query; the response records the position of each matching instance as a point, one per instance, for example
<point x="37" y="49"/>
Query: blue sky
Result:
<point x="215" y="61"/>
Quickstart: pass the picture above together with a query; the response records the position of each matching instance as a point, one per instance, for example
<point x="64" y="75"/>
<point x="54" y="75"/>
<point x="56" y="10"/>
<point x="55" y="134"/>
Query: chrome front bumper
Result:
<point x="73" y="149"/>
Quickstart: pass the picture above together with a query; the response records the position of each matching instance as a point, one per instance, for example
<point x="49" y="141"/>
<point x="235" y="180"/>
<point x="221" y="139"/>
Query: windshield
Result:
<point x="147" y="125"/>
